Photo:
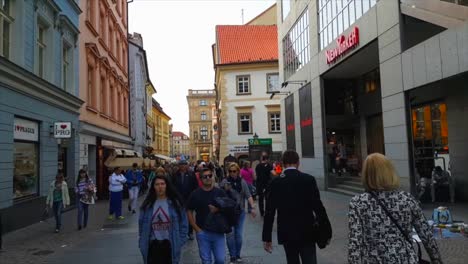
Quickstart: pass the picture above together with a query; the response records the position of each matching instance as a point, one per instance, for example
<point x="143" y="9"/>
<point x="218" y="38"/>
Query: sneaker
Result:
<point x="121" y="217"/>
<point x="129" y="208"/>
<point x="133" y="212"/>
<point x="79" y="228"/>
<point x="111" y="217"/>
<point x="57" y="231"/>
<point x="232" y="261"/>
<point x="239" y="260"/>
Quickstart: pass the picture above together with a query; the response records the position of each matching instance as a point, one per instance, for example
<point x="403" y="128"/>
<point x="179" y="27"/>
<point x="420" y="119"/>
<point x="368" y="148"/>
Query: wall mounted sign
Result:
<point x="344" y="45"/>
<point x="260" y="141"/>
<point x="62" y="130"/>
<point x="290" y="126"/>
<point x="307" y="128"/>
<point x="239" y="148"/>
<point x="25" y="130"/>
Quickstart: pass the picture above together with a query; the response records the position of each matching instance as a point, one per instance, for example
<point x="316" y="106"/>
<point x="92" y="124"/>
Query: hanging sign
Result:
<point x="62" y="130"/>
<point x="344" y="45"/>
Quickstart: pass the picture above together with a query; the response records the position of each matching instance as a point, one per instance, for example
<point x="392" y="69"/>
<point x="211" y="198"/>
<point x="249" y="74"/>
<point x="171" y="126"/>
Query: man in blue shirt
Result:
<point x="134" y="179"/>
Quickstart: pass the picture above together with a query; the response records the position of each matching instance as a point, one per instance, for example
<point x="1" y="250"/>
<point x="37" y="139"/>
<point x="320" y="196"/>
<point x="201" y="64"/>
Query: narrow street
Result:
<point x="116" y="242"/>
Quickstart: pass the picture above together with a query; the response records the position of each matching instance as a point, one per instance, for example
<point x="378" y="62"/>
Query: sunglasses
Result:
<point x="233" y="171"/>
<point x="207" y="176"/>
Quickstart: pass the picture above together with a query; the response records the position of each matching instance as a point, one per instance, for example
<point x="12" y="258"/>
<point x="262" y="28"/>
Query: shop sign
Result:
<point x="260" y="141"/>
<point x="62" y="130"/>
<point x="239" y="149"/>
<point x="344" y="45"/>
<point x="26" y="130"/>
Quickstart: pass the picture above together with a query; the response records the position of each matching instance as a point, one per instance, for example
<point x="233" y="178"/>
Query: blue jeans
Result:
<point x="234" y="239"/>
<point x="58" y="207"/>
<point x="82" y="211"/>
<point x="208" y="243"/>
<point x="115" y="203"/>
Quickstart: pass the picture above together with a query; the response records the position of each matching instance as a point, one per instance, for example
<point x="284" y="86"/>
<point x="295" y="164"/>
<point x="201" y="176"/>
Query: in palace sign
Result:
<point x="344" y="45"/>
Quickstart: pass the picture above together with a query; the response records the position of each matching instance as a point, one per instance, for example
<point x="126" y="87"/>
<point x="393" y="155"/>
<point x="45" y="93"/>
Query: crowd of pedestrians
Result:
<point x="210" y="201"/>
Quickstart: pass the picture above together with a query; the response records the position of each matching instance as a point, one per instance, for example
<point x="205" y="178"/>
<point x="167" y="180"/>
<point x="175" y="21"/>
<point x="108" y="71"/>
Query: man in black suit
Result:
<point x="297" y="199"/>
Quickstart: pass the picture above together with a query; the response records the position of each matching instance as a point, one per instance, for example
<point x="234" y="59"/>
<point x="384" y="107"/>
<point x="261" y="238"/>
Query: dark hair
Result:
<point x="116" y="168"/>
<point x="79" y="178"/>
<point x="290" y="157"/>
<point x="134" y="165"/>
<point x="171" y="194"/>
<point x="206" y="169"/>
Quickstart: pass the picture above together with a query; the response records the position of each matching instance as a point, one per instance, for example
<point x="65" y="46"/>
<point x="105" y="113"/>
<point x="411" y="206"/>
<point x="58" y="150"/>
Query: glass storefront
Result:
<point x="430" y="137"/>
<point x="26" y="172"/>
<point x="335" y="16"/>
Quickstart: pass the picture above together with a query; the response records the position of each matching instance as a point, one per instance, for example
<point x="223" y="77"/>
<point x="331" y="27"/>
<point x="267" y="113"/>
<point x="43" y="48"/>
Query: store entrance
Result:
<point x="353" y="117"/>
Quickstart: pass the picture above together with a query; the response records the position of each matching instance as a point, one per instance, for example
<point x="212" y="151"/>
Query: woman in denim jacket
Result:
<point x="163" y="224"/>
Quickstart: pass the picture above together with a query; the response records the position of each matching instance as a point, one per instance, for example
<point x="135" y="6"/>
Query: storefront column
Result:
<point x="393" y="103"/>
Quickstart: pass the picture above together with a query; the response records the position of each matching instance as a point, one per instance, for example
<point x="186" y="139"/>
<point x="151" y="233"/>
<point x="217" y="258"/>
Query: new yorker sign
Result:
<point x="344" y="45"/>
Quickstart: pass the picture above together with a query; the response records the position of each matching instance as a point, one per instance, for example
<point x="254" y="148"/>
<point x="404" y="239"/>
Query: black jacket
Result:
<point x="297" y="199"/>
<point x="185" y="184"/>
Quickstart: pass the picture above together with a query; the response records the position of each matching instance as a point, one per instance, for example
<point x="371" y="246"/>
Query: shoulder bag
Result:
<point x="405" y="235"/>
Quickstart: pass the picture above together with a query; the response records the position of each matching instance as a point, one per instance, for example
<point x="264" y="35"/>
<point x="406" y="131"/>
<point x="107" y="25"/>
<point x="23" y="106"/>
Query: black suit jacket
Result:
<point x="296" y="198"/>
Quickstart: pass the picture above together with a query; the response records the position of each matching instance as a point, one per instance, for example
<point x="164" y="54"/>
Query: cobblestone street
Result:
<point x="116" y="242"/>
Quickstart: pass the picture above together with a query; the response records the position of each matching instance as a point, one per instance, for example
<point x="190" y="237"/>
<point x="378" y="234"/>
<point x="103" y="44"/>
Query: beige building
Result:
<point x="103" y="84"/>
<point x="162" y="128"/>
<point x="200" y="104"/>
<point x="246" y="78"/>
<point x="180" y="145"/>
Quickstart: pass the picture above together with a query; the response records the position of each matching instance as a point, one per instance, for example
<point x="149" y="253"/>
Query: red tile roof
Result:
<point x="246" y="43"/>
<point x="178" y="134"/>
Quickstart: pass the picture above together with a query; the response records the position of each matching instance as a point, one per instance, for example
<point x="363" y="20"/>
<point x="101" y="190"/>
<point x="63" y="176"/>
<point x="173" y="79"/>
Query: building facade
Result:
<point x="200" y="123"/>
<point x="161" y="139"/>
<point x="246" y="78"/>
<point x="181" y="146"/>
<point x="38" y="88"/>
<point x="104" y="86"/>
<point x="378" y="76"/>
<point x="141" y="94"/>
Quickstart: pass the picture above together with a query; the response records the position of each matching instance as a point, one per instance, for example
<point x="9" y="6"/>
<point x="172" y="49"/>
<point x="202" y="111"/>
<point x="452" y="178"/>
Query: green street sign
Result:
<point x="260" y="141"/>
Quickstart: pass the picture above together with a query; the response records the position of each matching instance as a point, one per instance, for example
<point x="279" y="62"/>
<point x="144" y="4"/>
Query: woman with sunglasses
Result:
<point x="234" y="183"/>
<point x="162" y="223"/>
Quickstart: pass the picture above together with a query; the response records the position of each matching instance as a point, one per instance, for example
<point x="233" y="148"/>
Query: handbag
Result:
<point x="45" y="214"/>
<point x="406" y="236"/>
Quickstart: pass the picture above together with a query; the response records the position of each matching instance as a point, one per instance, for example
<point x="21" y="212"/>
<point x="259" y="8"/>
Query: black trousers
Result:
<point x="305" y="252"/>
<point x="160" y="252"/>
<point x="261" y="192"/>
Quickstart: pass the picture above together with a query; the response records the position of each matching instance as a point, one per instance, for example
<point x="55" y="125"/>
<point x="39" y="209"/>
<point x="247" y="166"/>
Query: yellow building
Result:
<point x="161" y="132"/>
<point x="200" y="104"/>
<point x="150" y="118"/>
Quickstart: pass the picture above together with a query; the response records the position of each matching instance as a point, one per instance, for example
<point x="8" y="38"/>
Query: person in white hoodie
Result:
<point x="116" y="183"/>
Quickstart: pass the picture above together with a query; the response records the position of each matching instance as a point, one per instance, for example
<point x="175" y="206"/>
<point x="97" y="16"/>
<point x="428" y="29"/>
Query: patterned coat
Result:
<point x="374" y="238"/>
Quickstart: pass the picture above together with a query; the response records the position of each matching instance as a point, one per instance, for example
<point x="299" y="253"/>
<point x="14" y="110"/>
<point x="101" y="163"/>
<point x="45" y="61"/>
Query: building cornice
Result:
<point x="75" y="6"/>
<point x="22" y="81"/>
<point x="90" y="129"/>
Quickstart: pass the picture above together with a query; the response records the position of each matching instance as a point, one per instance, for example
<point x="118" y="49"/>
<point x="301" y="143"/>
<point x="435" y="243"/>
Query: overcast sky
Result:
<point x="177" y="37"/>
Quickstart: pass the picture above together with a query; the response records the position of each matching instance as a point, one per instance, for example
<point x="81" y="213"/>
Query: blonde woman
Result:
<point x="381" y="219"/>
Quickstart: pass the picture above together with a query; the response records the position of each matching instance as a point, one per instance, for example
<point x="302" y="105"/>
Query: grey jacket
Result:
<point x="244" y="194"/>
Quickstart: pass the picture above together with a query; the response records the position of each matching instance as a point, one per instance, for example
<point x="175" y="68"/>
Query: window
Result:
<point x="285" y="8"/>
<point x="203" y="115"/>
<point x="111" y="38"/>
<point x="272" y="82"/>
<point x="243" y="84"/>
<point x="296" y="48"/>
<point x="245" y="123"/>
<point x="66" y="66"/>
<point x="25" y="158"/>
<point x="111" y="97"/>
<point x="203" y="103"/>
<point x="195" y="135"/>
<point x="41" y="50"/>
<point x="204" y="133"/>
<point x="91" y="95"/>
<point x="336" y="16"/>
<point x="103" y="94"/>
<point x="90" y="11"/>
<point x="274" y="122"/>
<point x="102" y="25"/>
<point x="5" y="23"/>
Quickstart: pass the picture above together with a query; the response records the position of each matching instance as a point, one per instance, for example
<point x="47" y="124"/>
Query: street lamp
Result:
<point x="255" y="135"/>
<point x="280" y="93"/>
<point x="301" y="82"/>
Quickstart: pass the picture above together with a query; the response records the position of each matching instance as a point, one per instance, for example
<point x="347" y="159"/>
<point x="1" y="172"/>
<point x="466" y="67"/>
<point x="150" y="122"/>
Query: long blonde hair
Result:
<point x="378" y="174"/>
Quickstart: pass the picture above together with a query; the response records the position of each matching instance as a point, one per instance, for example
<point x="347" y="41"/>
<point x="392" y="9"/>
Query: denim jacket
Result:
<point x="178" y="231"/>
